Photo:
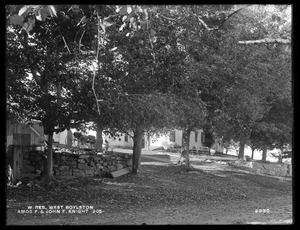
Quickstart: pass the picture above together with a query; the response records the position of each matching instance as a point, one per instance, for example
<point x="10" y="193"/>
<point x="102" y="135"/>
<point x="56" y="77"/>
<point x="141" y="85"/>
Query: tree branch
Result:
<point x="218" y="27"/>
<point x="80" y="40"/>
<point x="93" y="88"/>
<point x="266" y="40"/>
<point x="172" y="19"/>
<point x="94" y="71"/>
<point x="66" y="45"/>
<point x="230" y="15"/>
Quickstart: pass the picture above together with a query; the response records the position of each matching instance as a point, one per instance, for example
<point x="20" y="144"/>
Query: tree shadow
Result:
<point x="160" y="156"/>
<point x="168" y="169"/>
<point x="156" y="158"/>
<point x="254" y="180"/>
<point x="199" y="162"/>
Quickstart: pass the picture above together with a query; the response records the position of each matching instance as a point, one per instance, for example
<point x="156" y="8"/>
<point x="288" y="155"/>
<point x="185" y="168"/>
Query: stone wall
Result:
<point x="68" y="164"/>
<point x="274" y="169"/>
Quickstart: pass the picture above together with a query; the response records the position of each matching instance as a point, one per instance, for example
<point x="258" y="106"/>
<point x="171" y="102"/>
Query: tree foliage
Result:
<point x="139" y="69"/>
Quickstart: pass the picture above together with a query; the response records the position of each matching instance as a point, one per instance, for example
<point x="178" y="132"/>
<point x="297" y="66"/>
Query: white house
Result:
<point x="174" y="138"/>
<point x="156" y="141"/>
<point x="65" y="138"/>
<point x="123" y="141"/>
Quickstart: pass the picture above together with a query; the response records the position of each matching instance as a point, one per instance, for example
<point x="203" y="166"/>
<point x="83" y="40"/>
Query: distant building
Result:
<point x="121" y="141"/>
<point x="157" y="141"/>
<point x="160" y="141"/>
<point x="64" y="138"/>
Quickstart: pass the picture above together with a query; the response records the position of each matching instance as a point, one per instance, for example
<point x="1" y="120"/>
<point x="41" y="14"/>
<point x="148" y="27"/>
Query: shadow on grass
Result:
<point x="183" y="176"/>
<point x="156" y="158"/>
<point x="239" y="167"/>
<point x="199" y="162"/>
<point x="169" y="169"/>
<point x="225" y="155"/>
<point x="255" y="180"/>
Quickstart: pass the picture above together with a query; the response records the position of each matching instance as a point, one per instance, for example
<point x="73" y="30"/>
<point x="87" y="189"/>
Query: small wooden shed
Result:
<point x="21" y="137"/>
<point x="24" y="134"/>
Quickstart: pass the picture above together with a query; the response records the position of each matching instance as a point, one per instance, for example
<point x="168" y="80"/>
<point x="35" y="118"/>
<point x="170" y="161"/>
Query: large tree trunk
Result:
<point x="148" y="141"/>
<point x="69" y="138"/>
<point x="280" y="155"/>
<point x="264" y="153"/>
<point x="48" y="131"/>
<point x="252" y="155"/>
<point x="49" y="156"/>
<point x="99" y="141"/>
<point x="137" y="150"/>
<point x="241" y="150"/>
<point x="43" y="82"/>
<point x="186" y="143"/>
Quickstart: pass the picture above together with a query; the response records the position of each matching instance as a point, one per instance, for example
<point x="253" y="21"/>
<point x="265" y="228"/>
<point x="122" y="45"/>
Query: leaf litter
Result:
<point x="154" y="186"/>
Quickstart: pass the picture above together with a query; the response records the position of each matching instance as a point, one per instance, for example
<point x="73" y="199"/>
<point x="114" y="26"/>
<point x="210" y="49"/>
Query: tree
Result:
<point x="143" y="37"/>
<point x="46" y="64"/>
<point x="240" y="77"/>
<point x="200" y="83"/>
<point x="40" y="38"/>
<point x="208" y="139"/>
<point x="190" y="115"/>
<point x="252" y="71"/>
<point x="274" y="129"/>
<point x="210" y="80"/>
<point x="46" y="72"/>
<point x="255" y="142"/>
<point x="146" y="38"/>
<point x="144" y="71"/>
<point x="137" y="114"/>
<point x="137" y="69"/>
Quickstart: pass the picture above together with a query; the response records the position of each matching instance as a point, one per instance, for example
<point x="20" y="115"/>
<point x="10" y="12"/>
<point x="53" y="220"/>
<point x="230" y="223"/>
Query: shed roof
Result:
<point x="37" y="128"/>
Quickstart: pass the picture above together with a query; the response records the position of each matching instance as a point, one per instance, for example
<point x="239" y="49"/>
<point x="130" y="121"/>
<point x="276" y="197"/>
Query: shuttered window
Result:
<point x="172" y="136"/>
<point x="202" y="137"/>
<point x="196" y="136"/>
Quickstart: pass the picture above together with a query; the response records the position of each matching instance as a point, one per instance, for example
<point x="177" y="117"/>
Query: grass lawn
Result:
<point x="162" y="193"/>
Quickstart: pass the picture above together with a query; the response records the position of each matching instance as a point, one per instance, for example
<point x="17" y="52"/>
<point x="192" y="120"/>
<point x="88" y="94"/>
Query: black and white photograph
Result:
<point x="154" y="115"/>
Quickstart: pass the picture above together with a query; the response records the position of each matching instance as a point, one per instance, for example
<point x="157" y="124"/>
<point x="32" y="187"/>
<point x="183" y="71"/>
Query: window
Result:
<point x="196" y="136"/>
<point x="126" y="138"/>
<point x="202" y="137"/>
<point x="172" y="136"/>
